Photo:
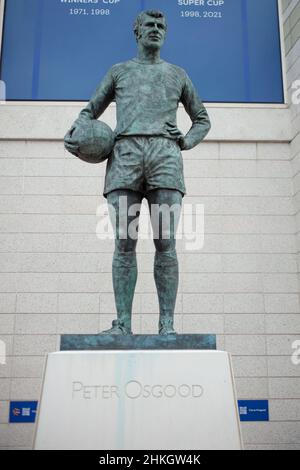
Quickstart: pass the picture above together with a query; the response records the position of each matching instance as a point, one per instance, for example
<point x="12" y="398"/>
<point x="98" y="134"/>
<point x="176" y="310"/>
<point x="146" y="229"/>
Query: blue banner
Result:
<point x="60" y="49"/>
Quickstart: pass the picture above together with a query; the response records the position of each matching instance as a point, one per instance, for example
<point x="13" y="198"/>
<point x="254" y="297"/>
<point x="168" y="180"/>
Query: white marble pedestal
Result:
<point x="134" y="399"/>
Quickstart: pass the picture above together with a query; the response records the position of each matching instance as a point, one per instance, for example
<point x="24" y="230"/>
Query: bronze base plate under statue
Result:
<point x="98" y="342"/>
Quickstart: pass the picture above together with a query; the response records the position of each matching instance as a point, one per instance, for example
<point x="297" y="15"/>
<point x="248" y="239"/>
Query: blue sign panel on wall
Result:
<point x="22" y="411"/>
<point x="253" y="410"/>
<point x="60" y="49"/>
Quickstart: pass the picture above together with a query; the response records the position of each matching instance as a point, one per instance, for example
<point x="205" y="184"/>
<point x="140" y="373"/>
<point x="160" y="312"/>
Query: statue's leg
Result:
<point x="124" y="266"/>
<point x="165" y="207"/>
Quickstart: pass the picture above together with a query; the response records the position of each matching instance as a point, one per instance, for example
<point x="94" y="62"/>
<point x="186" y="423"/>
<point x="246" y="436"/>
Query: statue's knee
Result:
<point x="164" y="245"/>
<point x="123" y="246"/>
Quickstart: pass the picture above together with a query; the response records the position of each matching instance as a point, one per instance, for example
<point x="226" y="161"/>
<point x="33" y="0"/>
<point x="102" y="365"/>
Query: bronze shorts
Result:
<point x="143" y="163"/>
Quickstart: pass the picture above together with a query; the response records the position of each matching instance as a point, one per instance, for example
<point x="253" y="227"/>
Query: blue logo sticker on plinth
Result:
<point x="253" y="410"/>
<point x="22" y="411"/>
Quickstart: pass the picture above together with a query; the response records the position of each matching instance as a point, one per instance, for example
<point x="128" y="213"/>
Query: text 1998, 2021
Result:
<point x="200" y="14"/>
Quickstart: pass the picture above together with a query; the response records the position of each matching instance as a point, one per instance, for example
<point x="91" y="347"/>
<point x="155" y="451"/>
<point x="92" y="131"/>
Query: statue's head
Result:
<point x="150" y="29"/>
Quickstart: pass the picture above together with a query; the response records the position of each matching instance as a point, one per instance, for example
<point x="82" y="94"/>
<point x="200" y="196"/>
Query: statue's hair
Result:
<point x="140" y="18"/>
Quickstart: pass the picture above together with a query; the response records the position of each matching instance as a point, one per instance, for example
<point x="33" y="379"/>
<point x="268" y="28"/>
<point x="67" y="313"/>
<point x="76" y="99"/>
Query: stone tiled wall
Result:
<point x="291" y="18"/>
<point x="292" y="30"/>
<point x="55" y="274"/>
<point x="291" y="12"/>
